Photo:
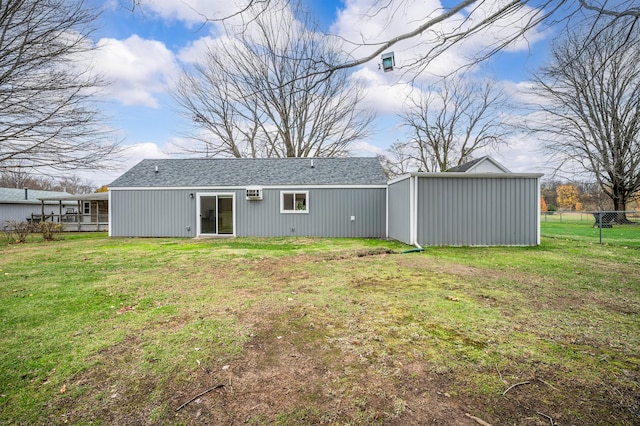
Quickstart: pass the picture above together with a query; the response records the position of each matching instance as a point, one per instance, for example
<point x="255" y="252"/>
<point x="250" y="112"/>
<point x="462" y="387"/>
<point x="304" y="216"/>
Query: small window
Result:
<point x="294" y="202"/>
<point x="86" y="207"/>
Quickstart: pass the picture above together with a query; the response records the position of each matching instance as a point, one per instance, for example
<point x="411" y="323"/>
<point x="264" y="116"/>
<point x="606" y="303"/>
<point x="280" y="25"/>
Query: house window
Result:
<point x="294" y="202"/>
<point x="86" y="207"/>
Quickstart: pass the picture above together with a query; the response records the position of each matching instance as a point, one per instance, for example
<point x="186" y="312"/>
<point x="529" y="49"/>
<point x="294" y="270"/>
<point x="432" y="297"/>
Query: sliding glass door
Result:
<point x="216" y="214"/>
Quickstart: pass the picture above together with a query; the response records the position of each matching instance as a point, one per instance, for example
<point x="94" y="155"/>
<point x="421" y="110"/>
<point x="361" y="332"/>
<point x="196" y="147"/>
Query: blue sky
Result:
<point x="142" y="52"/>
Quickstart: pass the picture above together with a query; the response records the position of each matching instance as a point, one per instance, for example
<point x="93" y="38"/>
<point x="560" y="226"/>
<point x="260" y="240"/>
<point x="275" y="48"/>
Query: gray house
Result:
<point x="481" y="204"/>
<point x="269" y="197"/>
<point x="19" y="204"/>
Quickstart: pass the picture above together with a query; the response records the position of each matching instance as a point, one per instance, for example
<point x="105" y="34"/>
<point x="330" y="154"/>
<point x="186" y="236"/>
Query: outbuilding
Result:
<point x="480" y="203"/>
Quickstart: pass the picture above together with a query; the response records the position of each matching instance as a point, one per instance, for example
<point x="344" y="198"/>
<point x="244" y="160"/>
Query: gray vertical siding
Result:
<point x="20" y="212"/>
<point x="167" y="213"/>
<point x="155" y="213"/>
<point x="477" y="211"/>
<point x="330" y="212"/>
<point x="399" y="210"/>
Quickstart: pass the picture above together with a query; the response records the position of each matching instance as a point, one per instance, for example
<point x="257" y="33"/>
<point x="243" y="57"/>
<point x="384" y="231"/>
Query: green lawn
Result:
<point x="580" y="227"/>
<point x="319" y="331"/>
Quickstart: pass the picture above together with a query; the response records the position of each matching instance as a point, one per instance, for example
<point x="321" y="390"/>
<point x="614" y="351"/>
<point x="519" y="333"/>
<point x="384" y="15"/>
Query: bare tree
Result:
<point x="398" y="160"/>
<point x="19" y="178"/>
<point x="263" y="95"/>
<point x="452" y="121"/>
<point x="47" y="117"/>
<point x="590" y="107"/>
<point x="450" y="24"/>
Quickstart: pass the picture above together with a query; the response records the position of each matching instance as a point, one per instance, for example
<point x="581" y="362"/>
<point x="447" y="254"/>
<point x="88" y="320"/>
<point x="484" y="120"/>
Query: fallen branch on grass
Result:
<point x="477" y="420"/>
<point x="198" y="396"/>
<point x="551" y="422"/>
<point x="513" y="386"/>
<point x="548" y="384"/>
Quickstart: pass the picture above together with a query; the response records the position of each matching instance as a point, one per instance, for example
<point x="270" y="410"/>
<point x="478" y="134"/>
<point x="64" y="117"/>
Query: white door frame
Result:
<point x="199" y="196"/>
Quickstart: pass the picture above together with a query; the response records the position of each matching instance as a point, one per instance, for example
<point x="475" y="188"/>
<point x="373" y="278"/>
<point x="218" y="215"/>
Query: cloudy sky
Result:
<point x="142" y="52"/>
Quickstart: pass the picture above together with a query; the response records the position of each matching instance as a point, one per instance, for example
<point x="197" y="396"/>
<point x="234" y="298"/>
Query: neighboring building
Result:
<point x="268" y="197"/>
<point x="19" y="204"/>
<point x="482" y="204"/>
<point x="484" y="164"/>
<point x="81" y="212"/>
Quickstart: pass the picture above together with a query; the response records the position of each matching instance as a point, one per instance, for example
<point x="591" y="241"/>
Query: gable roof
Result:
<point x="26" y="196"/>
<point x="482" y="162"/>
<point x="253" y="171"/>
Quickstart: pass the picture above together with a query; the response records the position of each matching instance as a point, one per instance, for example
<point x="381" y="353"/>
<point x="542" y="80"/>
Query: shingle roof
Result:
<point x="471" y="164"/>
<point x="17" y="196"/>
<point x="466" y="166"/>
<point x="253" y="171"/>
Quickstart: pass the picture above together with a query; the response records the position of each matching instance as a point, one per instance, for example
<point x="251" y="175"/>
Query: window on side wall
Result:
<point x="294" y="202"/>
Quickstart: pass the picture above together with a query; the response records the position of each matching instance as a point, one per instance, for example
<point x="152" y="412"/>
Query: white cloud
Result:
<point x="189" y="11"/>
<point x="144" y="150"/>
<point x="132" y="156"/>
<point x="367" y="26"/>
<point x="382" y="96"/>
<point x="365" y="149"/>
<point x="137" y="69"/>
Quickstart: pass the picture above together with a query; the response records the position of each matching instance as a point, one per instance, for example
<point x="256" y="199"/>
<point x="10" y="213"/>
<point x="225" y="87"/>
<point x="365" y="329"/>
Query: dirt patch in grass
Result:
<point x="279" y="382"/>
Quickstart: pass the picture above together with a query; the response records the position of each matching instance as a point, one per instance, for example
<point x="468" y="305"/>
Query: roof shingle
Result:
<point x="253" y="171"/>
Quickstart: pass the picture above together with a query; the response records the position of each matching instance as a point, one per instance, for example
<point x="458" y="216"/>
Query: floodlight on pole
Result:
<point x="388" y="61"/>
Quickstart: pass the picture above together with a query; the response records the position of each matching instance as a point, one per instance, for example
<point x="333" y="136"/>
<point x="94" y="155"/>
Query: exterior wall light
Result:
<point x="191" y="195"/>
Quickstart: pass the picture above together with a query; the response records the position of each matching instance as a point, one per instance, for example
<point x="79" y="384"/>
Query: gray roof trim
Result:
<point x="464" y="175"/>
<point x="242" y="172"/>
<point x="446" y="175"/>
<point x="243" y="187"/>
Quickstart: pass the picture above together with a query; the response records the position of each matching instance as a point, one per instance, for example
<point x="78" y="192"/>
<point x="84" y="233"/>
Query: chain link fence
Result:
<point x="604" y="227"/>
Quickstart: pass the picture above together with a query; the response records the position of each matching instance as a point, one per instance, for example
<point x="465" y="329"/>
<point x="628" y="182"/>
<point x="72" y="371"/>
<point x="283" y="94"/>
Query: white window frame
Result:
<point x="294" y="193"/>
<point x="86" y="207"/>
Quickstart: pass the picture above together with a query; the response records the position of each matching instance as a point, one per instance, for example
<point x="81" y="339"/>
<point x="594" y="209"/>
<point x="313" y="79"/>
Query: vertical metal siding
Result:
<point x="477" y="211"/>
<point x="162" y="213"/>
<point x="399" y="214"/>
<point x="20" y="212"/>
<point x="167" y="213"/>
<point x="330" y="212"/>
